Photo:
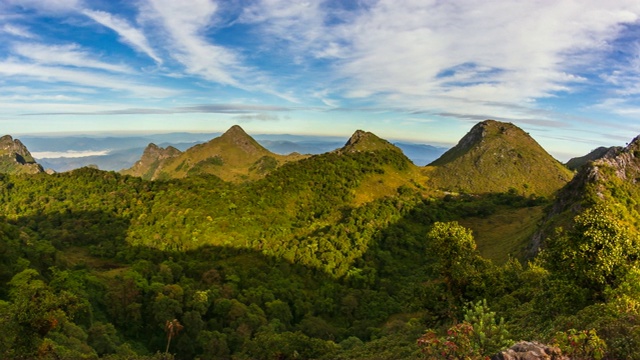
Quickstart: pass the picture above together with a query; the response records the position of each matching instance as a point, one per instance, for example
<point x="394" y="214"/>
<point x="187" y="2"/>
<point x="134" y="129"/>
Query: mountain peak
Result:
<point x="235" y="130"/>
<point x="366" y="141"/>
<point x="496" y="156"/>
<point x="478" y="134"/>
<point x="237" y="137"/>
<point x="151" y="160"/>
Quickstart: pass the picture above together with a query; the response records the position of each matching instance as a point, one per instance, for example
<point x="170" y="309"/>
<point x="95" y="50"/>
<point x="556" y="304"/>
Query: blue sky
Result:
<point x="568" y="72"/>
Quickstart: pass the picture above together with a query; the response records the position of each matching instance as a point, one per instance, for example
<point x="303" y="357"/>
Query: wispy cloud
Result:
<point x="65" y="55"/>
<point x="185" y="25"/>
<point x="242" y="109"/>
<point x="18" y="31"/>
<point x="30" y="72"/>
<point x="128" y="34"/>
<point x="492" y="51"/>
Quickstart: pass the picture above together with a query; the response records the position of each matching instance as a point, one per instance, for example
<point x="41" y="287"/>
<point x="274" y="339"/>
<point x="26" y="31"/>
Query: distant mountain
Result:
<point x="496" y="157"/>
<point x="421" y="154"/>
<point x="285" y="147"/>
<point x="234" y="156"/>
<point x="598" y="153"/>
<point x="15" y="158"/>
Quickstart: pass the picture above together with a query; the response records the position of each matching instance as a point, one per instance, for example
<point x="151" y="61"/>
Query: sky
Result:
<point x="566" y="71"/>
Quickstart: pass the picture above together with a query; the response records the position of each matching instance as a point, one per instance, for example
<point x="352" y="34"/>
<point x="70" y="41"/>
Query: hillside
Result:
<point x="497" y="157"/>
<point x="15" y="158"/>
<point x="234" y="156"/>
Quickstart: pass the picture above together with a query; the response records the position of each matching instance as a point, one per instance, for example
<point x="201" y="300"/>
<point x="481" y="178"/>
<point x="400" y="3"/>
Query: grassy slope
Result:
<point x="495" y="157"/>
<point x="505" y="233"/>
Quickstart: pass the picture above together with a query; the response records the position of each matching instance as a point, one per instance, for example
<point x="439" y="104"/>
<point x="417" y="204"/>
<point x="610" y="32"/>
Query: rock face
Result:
<point x="15" y="158"/>
<point x="526" y="350"/>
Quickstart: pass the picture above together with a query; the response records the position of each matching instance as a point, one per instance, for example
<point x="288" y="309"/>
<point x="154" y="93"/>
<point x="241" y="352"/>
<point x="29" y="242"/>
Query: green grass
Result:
<point x="505" y="233"/>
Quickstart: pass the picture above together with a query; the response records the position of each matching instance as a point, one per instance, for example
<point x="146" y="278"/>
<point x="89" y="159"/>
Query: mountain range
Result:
<point x="347" y="254"/>
<point x="65" y="153"/>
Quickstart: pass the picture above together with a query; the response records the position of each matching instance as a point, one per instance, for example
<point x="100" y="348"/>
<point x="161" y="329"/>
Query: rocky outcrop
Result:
<point x="526" y="350"/>
<point x="15" y="158"/>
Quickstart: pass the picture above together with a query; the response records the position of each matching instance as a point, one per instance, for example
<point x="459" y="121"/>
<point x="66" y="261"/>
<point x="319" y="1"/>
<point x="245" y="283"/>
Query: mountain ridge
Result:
<point x="233" y="156"/>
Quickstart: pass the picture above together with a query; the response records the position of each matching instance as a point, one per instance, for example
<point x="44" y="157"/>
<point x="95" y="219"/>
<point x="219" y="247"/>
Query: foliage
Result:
<point x="581" y="345"/>
<point x="300" y="264"/>
<point x="478" y="337"/>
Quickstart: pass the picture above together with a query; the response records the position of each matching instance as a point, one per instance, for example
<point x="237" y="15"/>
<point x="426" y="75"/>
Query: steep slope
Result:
<point x="497" y="157"/>
<point x="577" y="162"/>
<point x="152" y="158"/>
<point x="234" y="156"/>
<point x="15" y="158"/>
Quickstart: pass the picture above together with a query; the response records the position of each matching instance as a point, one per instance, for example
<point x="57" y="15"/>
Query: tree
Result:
<point x="455" y="251"/>
<point x="597" y="252"/>
<point x="172" y="329"/>
<point x="34" y="311"/>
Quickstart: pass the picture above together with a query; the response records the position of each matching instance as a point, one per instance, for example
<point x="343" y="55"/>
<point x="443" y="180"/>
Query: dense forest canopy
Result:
<point x="344" y="255"/>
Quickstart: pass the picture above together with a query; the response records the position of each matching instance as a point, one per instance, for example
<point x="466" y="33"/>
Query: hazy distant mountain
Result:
<point x="495" y="157"/>
<point x="421" y="154"/>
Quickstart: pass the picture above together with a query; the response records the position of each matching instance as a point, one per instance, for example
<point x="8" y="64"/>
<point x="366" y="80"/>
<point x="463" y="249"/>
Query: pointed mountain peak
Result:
<point x="238" y="138"/>
<point x="235" y="131"/>
<point x="367" y="141"/>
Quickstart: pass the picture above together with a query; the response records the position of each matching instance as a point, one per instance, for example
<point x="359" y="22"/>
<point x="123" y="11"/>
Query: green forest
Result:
<point x="295" y="265"/>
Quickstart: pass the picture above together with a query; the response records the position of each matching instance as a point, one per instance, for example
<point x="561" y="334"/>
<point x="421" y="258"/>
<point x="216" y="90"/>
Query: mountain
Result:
<point x="152" y="159"/>
<point x="233" y="156"/>
<point x="421" y="154"/>
<point x="366" y="141"/>
<point x="497" y="157"/>
<point x="577" y="162"/>
<point x="15" y="158"/>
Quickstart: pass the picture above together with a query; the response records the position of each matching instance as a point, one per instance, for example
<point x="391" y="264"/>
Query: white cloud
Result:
<point x="300" y="23"/>
<point x="67" y="154"/>
<point x="475" y="57"/>
<point x="185" y="24"/>
<point x="66" y="55"/>
<point x="490" y="51"/>
<point x="18" y="31"/>
<point x="128" y="34"/>
<point x="54" y="74"/>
